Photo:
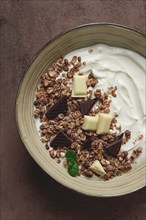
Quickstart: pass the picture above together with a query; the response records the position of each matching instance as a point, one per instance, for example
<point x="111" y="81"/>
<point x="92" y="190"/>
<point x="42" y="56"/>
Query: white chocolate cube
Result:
<point x="97" y="168"/>
<point x="90" y="123"/>
<point x="104" y="122"/>
<point x="79" y="86"/>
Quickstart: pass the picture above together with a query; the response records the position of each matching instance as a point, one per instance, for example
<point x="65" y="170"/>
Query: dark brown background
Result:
<point x="27" y="193"/>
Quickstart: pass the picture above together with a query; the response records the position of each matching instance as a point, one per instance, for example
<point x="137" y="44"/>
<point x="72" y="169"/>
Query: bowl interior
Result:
<point x="80" y="37"/>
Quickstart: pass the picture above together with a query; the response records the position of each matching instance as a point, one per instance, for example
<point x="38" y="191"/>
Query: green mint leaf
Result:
<point x="75" y="166"/>
<point x="71" y="163"/>
<point x="73" y="171"/>
<point x="70" y="154"/>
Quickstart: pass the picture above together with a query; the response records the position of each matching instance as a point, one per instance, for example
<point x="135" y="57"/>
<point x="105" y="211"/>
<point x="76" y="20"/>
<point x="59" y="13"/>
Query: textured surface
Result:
<point x="27" y="193"/>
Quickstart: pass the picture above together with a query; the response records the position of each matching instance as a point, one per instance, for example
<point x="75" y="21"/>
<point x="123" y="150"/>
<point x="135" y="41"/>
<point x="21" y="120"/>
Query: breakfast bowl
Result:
<point x="113" y="36"/>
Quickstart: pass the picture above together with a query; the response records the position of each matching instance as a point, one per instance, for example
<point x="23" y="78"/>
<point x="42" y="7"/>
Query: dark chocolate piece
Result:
<point x="87" y="144"/>
<point x="60" y="107"/>
<point x="120" y="136"/>
<point x="85" y="106"/>
<point x="61" y="140"/>
<point x="114" y="147"/>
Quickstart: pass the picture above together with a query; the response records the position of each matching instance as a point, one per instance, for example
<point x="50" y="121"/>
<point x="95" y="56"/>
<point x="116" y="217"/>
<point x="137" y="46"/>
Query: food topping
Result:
<point x="97" y="168"/>
<point x="79" y="86"/>
<point x="104" y="123"/>
<point x="85" y="106"/>
<point x="90" y="123"/>
<point x="73" y="167"/>
<point x="87" y="144"/>
<point x="60" y="140"/>
<point x="114" y="147"/>
<point x="60" y="107"/>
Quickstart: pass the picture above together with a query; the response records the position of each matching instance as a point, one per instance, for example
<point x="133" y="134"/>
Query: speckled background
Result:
<point x="27" y="193"/>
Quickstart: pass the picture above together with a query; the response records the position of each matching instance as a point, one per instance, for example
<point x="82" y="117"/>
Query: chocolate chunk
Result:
<point x="58" y="108"/>
<point x="87" y="144"/>
<point x="85" y="106"/>
<point x="61" y="140"/>
<point x="114" y="147"/>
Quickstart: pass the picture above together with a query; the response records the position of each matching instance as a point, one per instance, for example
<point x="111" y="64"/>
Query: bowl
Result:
<point x="79" y="37"/>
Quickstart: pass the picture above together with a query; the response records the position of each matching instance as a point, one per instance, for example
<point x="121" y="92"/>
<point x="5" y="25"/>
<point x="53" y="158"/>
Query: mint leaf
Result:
<point x="73" y="171"/>
<point x="70" y="154"/>
<point x="71" y="163"/>
<point x="73" y="167"/>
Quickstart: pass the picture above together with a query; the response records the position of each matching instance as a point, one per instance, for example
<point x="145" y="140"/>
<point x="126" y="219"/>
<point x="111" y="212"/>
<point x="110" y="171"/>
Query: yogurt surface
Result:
<point x="127" y="70"/>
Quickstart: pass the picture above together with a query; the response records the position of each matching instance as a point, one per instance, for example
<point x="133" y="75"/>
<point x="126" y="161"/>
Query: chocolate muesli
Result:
<point x="78" y="124"/>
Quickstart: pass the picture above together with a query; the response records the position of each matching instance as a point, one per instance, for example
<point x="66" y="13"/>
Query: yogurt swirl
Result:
<point x="125" y="69"/>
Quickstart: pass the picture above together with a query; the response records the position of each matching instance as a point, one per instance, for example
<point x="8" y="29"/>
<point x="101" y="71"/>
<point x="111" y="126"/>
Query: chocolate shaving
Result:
<point x="114" y="147"/>
<point x="58" y="108"/>
<point x="85" y="106"/>
<point x="61" y="140"/>
<point x="87" y="144"/>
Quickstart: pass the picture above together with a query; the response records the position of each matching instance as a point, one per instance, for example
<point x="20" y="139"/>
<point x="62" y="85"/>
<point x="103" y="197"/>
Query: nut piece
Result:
<point x="52" y="73"/>
<point x="90" y="50"/>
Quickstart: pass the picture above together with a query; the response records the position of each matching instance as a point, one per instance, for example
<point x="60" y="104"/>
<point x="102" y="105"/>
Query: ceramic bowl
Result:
<point x="79" y="37"/>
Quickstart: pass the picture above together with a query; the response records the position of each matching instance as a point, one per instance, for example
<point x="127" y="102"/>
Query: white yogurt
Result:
<point x="127" y="70"/>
